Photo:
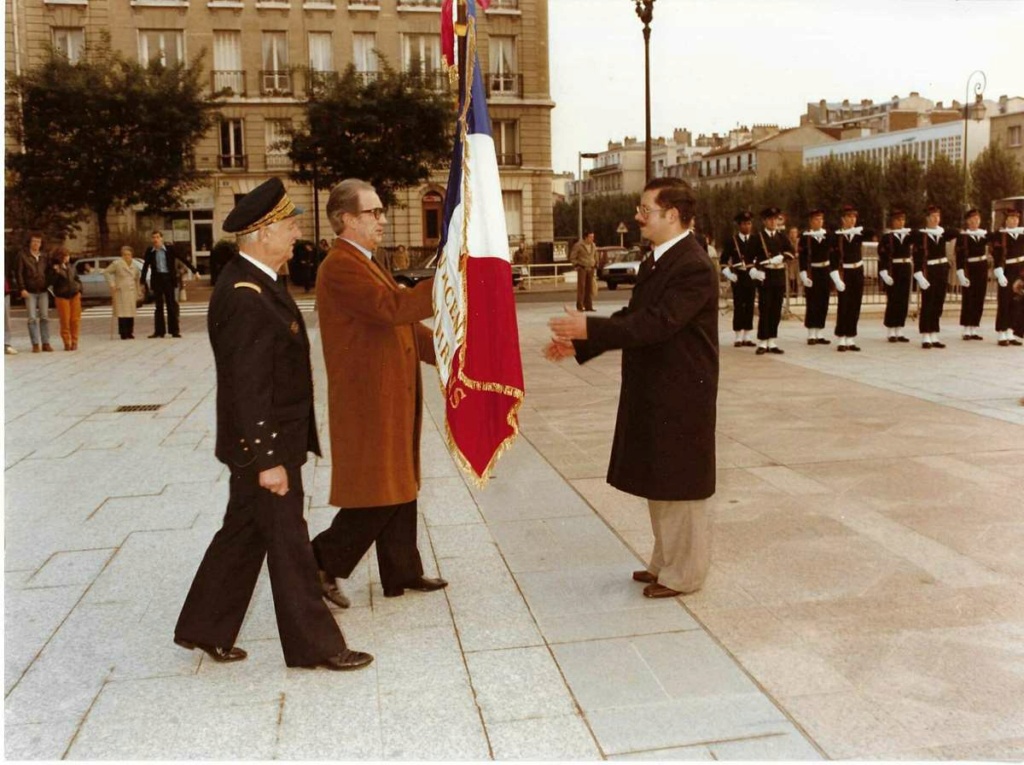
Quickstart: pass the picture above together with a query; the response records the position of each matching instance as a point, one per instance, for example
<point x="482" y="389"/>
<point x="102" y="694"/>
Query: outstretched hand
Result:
<point x="557" y="351"/>
<point x="572" y="326"/>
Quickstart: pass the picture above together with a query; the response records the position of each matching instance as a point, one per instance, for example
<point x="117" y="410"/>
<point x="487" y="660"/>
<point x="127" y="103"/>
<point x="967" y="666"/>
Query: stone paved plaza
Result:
<point x="866" y="599"/>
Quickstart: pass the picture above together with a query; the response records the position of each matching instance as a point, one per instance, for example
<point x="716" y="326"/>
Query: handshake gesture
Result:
<point x="565" y="329"/>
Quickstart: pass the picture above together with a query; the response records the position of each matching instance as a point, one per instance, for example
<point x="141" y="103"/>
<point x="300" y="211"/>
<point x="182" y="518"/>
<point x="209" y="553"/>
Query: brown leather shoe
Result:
<point x="222" y="655"/>
<point x="660" y="591"/>
<point x="36" y="349"/>
<point x="422" y="583"/>
<point x="47" y="347"/>
<point x="644" y="576"/>
<point x="331" y="591"/>
<point x="345" y="661"/>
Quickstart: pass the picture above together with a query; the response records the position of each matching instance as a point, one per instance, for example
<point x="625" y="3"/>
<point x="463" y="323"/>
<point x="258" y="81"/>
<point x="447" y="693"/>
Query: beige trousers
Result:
<point x="682" y="543"/>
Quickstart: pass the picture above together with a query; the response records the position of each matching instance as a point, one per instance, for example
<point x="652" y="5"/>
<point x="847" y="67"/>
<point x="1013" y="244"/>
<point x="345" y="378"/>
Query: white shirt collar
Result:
<point x="261" y="266"/>
<point x="851" y="232"/>
<point x="664" y="247"/>
<point x="900" y="232"/>
<point x="1012" y="231"/>
<point x="359" y="247"/>
<point x="818" y="233"/>
<point x="743" y="237"/>
<point x="976" y="233"/>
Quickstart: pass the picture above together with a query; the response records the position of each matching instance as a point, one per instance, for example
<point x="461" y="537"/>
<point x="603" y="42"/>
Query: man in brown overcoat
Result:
<point x="664" y="443"/>
<point x="584" y="257"/>
<point x="373" y="343"/>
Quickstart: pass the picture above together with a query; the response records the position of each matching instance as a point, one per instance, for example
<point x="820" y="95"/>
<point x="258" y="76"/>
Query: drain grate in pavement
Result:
<point x="138" y="407"/>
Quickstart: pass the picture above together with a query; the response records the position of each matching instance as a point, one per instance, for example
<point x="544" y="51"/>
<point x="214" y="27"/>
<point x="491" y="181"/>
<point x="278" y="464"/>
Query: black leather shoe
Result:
<point x="330" y="590"/>
<point x="1015" y="341"/>
<point x="760" y="351"/>
<point x="422" y="584"/>
<point x="893" y="339"/>
<point x="175" y="334"/>
<point x="853" y="348"/>
<point x="223" y="655"/>
<point x="345" y="661"/>
<point x="1004" y="343"/>
<point x="812" y="341"/>
<point x="926" y="346"/>
<point x="749" y="344"/>
<point x="154" y="335"/>
<point x="937" y="344"/>
<point x="902" y="339"/>
<point x="776" y="349"/>
<point x="965" y="337"/>
<point x="823" y="341"/>
<point x="841" y="349"/>
<point x="738" y="344"/>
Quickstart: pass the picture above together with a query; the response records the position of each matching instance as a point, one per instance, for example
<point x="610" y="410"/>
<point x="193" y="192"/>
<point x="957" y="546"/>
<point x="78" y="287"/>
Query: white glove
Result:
<point x="886" y="278"/>
<point x="921" y="281"/>
<point x="775" y="260"/>
<point x="806" y="279"/>
<point x="837" y="280"/>
<point x="1000" y="276"/>
<point x="728" y="274"/>
<point x="757" y="276"/>
<point x="962" y="278"/>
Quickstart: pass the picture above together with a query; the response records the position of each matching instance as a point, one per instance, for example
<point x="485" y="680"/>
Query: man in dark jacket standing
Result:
<point x="664" y="443"/>
<point x="161" y="258"/>
<point x="265" y="427"/>
<point x="31" y="272"/>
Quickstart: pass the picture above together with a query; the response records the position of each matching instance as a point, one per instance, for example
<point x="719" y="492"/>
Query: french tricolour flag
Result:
<point x="475" y="332"/>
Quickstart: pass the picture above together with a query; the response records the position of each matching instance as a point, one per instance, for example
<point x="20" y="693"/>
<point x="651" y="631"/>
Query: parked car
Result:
<point x="94" y="283"/>
<point x="621" y="265"/>
<point x="410" y="277"/>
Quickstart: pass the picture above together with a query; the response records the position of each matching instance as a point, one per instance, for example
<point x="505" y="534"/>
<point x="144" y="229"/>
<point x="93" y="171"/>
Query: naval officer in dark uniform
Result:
<point x="772" y="250"/>
<point x="895" y="269"/>
<point x="265" y="427"/>
<point x="972" y="274"/>
<point x="1008" y="259"/>
<point x="931" y="272"/>
<point x="848" y="275"/>
<point x="813" y="250"/>
<point x="737" y="258"/>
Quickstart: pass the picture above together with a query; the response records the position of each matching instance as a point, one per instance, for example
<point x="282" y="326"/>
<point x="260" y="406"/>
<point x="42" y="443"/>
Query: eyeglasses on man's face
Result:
<point x="644" y="211"/>
<point x="376" y="212"/>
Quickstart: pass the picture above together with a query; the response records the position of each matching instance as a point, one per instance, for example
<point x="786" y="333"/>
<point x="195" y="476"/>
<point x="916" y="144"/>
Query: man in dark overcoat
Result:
<point x="265" y="427"/>
<point x="160" y="262"/>
<point x="664" y="443"/>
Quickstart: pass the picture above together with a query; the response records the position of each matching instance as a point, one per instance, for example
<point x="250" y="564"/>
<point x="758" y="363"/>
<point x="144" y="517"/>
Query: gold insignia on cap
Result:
<point x="294" y="327"/>
<point x="251" y="285"/>
<point x="285" y="208"/>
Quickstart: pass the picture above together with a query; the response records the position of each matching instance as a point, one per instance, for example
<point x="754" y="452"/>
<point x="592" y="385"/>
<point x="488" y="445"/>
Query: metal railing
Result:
<point x="510" y="160"/>
<point x="504" y="5"/>
<point x="419" y="4"/>
<point x="504" y="85"/>
<point x="275" y="82"/>
<point x="438" y="80"/>
<point x="233" y="161"/>
<point x="278" y="161"/>
<point x="231" y="81"/>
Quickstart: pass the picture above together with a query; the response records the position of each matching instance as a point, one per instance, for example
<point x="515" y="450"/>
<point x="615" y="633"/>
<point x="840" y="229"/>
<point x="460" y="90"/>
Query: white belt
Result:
<point x="937" y="261"/>
<point x="822" y="264"/>
<point x="901" y="260"/>
<point x="978" y="259"/>
<point x="858" y="264"/>
<point x="774" y="267"/>
<point x="1011" y="261"/>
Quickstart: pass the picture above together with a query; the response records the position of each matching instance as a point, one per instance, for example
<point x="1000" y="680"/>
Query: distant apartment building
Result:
<point x="1008" y="126"/>
<point x="924" y="144"/>
<point x="270" y="55"/>
<point x="769" y="151"/>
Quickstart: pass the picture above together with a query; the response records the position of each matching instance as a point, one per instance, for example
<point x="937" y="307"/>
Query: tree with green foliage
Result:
<point x="903" y="185"/>
<point x="104" y="134"/>
<point x="392" y="131"/>
<point x="995" y="174"/>
<point x="944" y="182"/>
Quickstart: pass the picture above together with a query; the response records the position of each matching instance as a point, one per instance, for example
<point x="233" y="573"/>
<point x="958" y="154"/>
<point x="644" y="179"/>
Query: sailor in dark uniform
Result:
<point x="737" y="257"/>
<point x="895" y="269"/>
<point x="972" y="274"/>
<point x="771" y="250"/>
<point x="265" y="427"/>
<point x="931" y="272"/>
<point x="848" y="275"/>
<point x="1008" y="257"/>
<point x="814" y="250"/>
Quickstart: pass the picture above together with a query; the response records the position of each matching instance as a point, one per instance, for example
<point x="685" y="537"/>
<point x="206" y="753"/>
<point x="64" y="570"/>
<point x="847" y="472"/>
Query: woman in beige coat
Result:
<point x="125" y="291"/>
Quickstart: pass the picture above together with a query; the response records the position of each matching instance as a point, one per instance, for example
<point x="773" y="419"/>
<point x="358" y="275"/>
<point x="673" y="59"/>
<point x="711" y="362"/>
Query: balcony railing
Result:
<point x="275" y="82"/>
<point x="427" y="4"/>
<point x="366" y="78"/>
<point x="504" y="85"/>
<point x="278" y="161"/>
<point x="358" y="4"/>
<point x="510" y="160"/>
<point x="504" y="5"/>
<point x="232" y="82"/>
<point x="317" y="82"/>
<point x="233" y="161"/>
<point x="431" y="80"/>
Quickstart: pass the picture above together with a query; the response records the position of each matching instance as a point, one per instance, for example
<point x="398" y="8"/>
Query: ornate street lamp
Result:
<point x="978" y="110"/>
<point x="645" y="10"/>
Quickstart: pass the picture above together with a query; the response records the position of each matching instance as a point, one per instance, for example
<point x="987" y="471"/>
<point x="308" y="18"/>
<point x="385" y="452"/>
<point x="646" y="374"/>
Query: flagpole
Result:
<point x="461" y="36"/>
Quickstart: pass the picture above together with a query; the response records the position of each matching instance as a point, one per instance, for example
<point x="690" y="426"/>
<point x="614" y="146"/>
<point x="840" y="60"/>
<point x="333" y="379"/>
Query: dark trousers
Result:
<point x="897" y="297"/>
<point x="933" y="299"/>
<point x="972" y="299"/>
<point x="126" y="326"/>
<point x="1005" y="305"/>
<point x="163" y="290"/>
<point x="339" y="548"/>
<point x="742" y="302"/>
<point x="769" y="308"/>
<point x="850" y="299"/>
<point x="584" y="289"/>
<point x="817" y="298"/>
<point x="260" y="524"/>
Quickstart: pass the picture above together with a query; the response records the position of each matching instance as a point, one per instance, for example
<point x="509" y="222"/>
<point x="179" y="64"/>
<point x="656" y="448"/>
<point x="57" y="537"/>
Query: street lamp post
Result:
<point x="579" y="181"/>
<point x="980" y="81"/>
<point x="645" y="10"/>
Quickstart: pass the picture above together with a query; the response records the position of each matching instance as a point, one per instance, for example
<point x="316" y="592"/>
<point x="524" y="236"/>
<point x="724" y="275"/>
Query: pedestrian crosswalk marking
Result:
<point x="306" y="305"/>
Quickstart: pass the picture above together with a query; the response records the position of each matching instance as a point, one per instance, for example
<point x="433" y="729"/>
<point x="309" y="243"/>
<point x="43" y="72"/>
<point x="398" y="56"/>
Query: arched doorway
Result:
<point x="433" y="217"/>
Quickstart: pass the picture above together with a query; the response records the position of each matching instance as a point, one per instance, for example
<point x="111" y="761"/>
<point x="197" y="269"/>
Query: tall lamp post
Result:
<point x="977" y="77"/>
<point x="579" y="202"/>
<point x="645" y="10"/>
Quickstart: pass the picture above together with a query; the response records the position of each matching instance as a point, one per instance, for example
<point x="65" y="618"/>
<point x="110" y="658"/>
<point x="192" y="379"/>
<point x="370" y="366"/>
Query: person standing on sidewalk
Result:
<point x="584" y="257"/>
<point x="772" y="250"/>
<point x="265" y="429"/>
<point x="160" y="258"/>
<point x="931" y="272"/>
<point x="31" y="271"/>
<point x="814" y="250"/>
<point x="738" y="256"/>
<point x="972" y="274"/>
<point x="1008" y="257"/>
<point x="664" y="443"/>
<point x="895" y="268"/>
<point x="67" y="293"/>
<point x="847" y="273"/>
<point x="373" y="343"/>
<point x="9" y="349"/>
<point x="125" y="291"/>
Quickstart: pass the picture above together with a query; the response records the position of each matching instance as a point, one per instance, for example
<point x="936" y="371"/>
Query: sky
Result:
<point x="716" y="64"/>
